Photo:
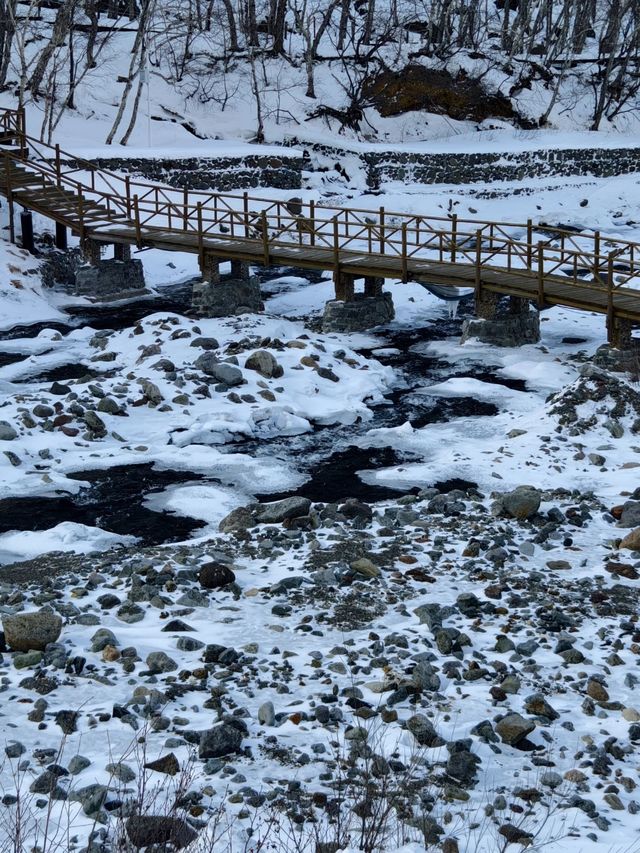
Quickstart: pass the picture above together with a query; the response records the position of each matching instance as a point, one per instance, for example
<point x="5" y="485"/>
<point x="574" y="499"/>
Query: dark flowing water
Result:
<point x="328" y="456"/>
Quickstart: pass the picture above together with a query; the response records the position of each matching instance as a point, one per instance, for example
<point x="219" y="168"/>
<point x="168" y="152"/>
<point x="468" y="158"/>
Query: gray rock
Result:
<point x="7" y="432"/>
<point x="630" y="516"/>
<point x="167" y="764"/>
<point x="77" y="764"/>
<point x="221" y="740"/>
<point x="207" y="362"/>
<point x="425" y="677"/>
<point x="14" y="749"/>
<point x="26" y="631"/>
<point x="159" y="831"/>
<point x="521" y="503"/>
<point x="266" y="714"/>
<point x="462" y="765"/>
<point x="205" y="343"/>
<point x="423" y="731"/>
<point x="536" y="704"/>
<point x="240" y="518"/>
<point x="151" y="391"/>
<point x="102" y="638"/>
<point x="264" y="363"/>
<point x="109" y="406"/>
<point x="227" y="374"/>
<point x="215" y="575"/>
<point x="90" y="798"/>
<point x="160" y="662"/>
<point x="514" y="728"/>
<point x="278" y="511"/>
<point x="120" y="771"/>
<point x="93" y="422"/>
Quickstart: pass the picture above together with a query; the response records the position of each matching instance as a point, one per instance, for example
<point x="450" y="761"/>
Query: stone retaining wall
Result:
<point x="216" y="173"/>
<point x="466" y="168"/>
<point x="378" y="167"/>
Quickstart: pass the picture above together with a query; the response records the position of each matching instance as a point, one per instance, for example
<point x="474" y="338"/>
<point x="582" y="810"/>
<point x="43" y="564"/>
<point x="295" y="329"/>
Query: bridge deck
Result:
<point x="551" y="266"/>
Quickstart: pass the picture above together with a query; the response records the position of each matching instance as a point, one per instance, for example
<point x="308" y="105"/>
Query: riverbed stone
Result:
<point x="31" y="631"/>
<point x="264" y="363"/>
<point x="7" y="432"/>
<point x="159" y="831"/>
<point x="521" y="503"/>
<point x="278" y="511"/>
<point x="513" y="728"/>
<point x="215" y="575"/>
<point x="219" y="741"/>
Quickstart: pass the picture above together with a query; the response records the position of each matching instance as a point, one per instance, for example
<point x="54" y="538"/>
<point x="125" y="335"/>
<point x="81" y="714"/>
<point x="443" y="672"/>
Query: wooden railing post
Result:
<point x="454" y="236"/>
<point x="265" y="236"/>
<point x="185" y="209"/>
<point x="596" y="252"/>
<point x="7" y="172"/>
<point x="382" y="235"/>
<point x="478" y="267"/>
<point x="336" y="244"/>
<point x="245" y="207"/>
<point x="200" y="225"/>
<point x="127" y="189"/>
<point x="529" y="244"/>
<point x="58" y="169"/>
<point x="610" y="306"/>
<point x="405" y="270"/>
<point x="540" y="274"/>
<point x="312" y="223"/>
<point x="136" y="213"/>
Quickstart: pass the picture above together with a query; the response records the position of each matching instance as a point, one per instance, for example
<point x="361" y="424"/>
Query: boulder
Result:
<point x="521" y="503"/>
<point x="277" y="511"/>
<point x="264" y="363"/>
<point x="513" y="728"/>
<point x="147" y="830"/>
<point x="239" y="518"/>
<point x="7" y="432"/>
<point x="219" y="741"/>
<point x="25" y="631"/>
<point x="215" y="575"/>
<point x="632" y="540"/>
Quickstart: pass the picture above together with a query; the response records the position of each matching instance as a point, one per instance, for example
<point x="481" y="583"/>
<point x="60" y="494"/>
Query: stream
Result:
<point x="328" y="456"/>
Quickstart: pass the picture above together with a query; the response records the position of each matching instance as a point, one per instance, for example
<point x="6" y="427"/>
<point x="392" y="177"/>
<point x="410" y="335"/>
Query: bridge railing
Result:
<point x="584" y="258"/>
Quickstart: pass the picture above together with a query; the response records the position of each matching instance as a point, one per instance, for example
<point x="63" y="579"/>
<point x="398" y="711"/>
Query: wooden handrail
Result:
<point x="269" y="224"/>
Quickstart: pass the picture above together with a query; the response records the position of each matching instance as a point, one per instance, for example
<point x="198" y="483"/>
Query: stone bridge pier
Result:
<point x="217" y="296"/>
<point x="502" y="321"/>
<point x="108" y="278"/>
<point x="357" y="312"/>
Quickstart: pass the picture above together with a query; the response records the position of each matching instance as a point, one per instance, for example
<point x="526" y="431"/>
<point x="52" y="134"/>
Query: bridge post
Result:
<point x="122" y="251"/>
<point x="91" y="251"/>
<point x="502" y="322"/>
<point x="240" y="270"/>
<point x="344" y="285"/>
<point x="619" y="333"/>
<point x="61" y="237"/>
<point x="373" y="285"/>
<point x="210" y="269"/>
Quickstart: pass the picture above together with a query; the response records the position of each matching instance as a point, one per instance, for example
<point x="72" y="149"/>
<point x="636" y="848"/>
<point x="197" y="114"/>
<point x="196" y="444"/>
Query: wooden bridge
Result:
<point x="547" y="265"/>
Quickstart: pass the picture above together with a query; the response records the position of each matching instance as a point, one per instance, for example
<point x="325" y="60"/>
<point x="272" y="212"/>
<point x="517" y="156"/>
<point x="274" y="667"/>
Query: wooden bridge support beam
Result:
<point x="210" y="269"/>
<point x="122" y="251"/>
<point x="373" y="285"/>
<point x="619" y="333"/>
<point x="344" y="284"/>
<point x="91" y="251"/>
<point x="61" y="237"/>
